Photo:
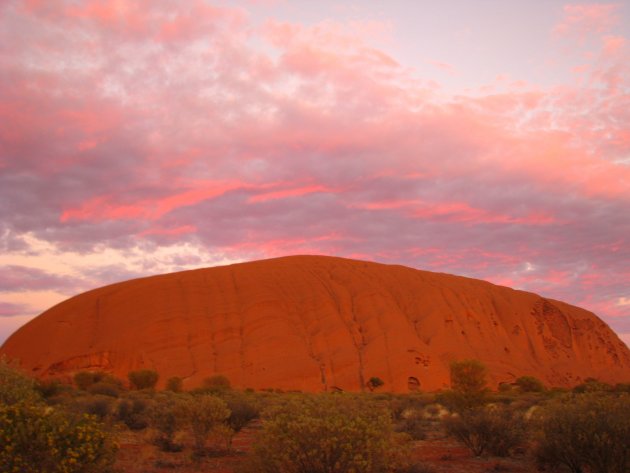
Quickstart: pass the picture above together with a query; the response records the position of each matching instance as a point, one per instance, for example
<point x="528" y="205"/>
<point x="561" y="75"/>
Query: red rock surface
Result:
<point x="317" y="323"/>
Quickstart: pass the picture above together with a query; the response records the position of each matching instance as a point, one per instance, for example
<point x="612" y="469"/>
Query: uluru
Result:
<point x="319" y="323"/>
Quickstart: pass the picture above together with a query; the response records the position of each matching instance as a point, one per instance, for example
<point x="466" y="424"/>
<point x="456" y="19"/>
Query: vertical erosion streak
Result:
<point x="97" y="322"/>
<point x="211" y="324"/>
<point x="348" y="324"/>
<point x="188" y="318"/>
<point x="382" y="324"/>
<point x="304" y="334"/>
<point x="241" y="325"/>
<point x="360" y="344"/>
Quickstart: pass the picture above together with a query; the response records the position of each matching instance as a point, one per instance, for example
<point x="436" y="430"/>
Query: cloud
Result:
<point x="587" y="19"/>
<point x="8" y="309"/>
<point x="142" y="137"/>
<point x="21" y="278"/>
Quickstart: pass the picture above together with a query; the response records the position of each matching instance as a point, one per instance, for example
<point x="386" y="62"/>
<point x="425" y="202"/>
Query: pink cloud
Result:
<point x="613" y="45"/>
<point x="456" y="212"/>
<point x="175" y="232"/>
<point x="106" y="208"/>
<point x="283" y="194"/>
<point x="586" y="19"/>
<point x="445" y="67"/>
<point x="9" y="309"/>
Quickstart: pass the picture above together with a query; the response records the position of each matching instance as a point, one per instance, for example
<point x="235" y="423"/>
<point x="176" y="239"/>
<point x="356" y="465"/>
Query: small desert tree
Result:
<point x="468" y="383"/>
<point x="468" y="376"/>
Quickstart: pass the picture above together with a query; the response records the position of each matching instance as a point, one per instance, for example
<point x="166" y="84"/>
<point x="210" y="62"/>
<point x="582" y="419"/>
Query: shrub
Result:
<point x="133" y="413"/>
<point x="204" y="413"/>
<point x="414" y="425"/>
<point x="85" y="379"/>
<point x="143" y="379"/>
<point x="168" y="416"/>
<point x="220" y="438"/>
<point x="104" y="388"/>
<point x="15" y="386"/>
<point x="50" y="388"/>
<point x="98" y="406"/>
<point x="174" y="384"/>
<point x="217" y="382"/>
<point x="374" y="383"/>
<point x="530" y="384"/>
<point x="586" y="432"/>
<point x="242" y="411"/>
<point x="492" y="429"/>
<point x="460" y="402"/>
<point x="591" y="385"/>
<point x="36" y="438"/>
<point x="326" y="434"/>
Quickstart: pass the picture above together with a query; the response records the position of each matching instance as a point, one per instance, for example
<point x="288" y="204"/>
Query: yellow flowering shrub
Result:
<point x="35" y="438"/>
<point x="15" y="386"/>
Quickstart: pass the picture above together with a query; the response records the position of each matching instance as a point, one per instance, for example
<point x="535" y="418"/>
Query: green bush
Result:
<point x="143" y="379"/>
<point x="326" y="434"/>
<point x="83" y="380"/>
<point x="592" y="385"/>
<point x="174" y="384"/>
<point x="492" y="429"/>
<point x="375" y="383"/>
<point x="217" y="382"/>
<point x="205" y="413"/>
<point x="242" y="408"/>
<point x="51" y="388"/>
<point x="168" y="416"/>
<point x="38" y="439"/>
<point x="530" y="384"/>
<point x="133" y="413"/>
<point x="98" y="406"/>
<point x="15" y="386"/>
<point x="587" y="432"/>
<point x="414" y="425"/>
<point x="104" y="388"/>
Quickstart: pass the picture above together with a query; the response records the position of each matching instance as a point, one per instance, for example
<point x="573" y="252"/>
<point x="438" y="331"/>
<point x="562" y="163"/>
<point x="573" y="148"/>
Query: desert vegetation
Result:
<point x="95" y="423"/>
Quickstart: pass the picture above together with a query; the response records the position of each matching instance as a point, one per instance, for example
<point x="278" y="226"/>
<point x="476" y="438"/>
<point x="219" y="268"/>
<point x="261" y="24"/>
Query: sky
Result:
<point x="488" y="138"/>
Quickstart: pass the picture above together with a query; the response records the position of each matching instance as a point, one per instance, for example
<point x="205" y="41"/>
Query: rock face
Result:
<point x="317" y="323"/>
